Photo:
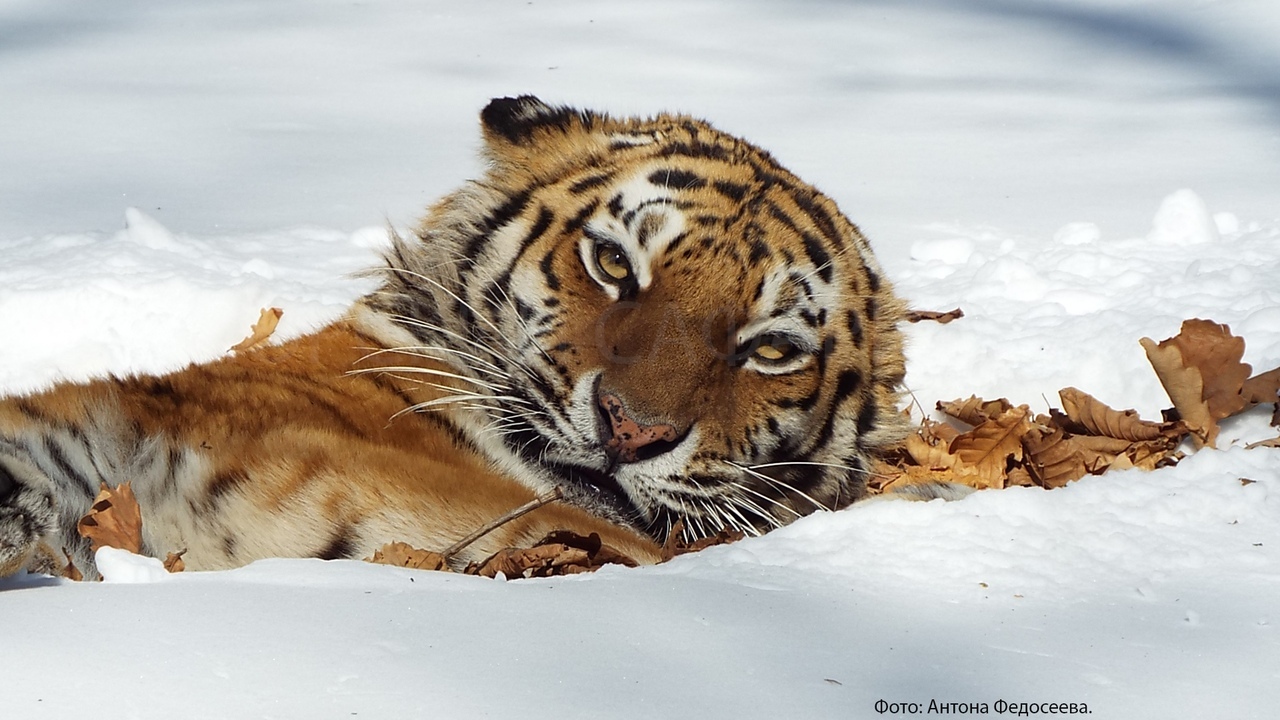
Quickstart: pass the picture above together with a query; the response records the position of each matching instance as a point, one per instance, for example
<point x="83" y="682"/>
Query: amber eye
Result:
<point x="613" y="262"/>
<point x="774" y="349"/>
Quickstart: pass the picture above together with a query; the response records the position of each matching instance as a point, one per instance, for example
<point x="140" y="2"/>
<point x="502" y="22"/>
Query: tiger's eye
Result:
<point x="774" y="349"/>
<point x="613" y="262"/>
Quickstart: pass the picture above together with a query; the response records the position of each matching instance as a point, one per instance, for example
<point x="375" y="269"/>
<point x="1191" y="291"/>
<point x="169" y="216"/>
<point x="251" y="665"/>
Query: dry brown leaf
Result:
<point x="987" y="449"/>
<point x="404" y="555"/>
<point x="1263" y="388"/>
<point x="1100" y="445"/>
<point x="1217" y="353"/>
<point x="1206" y="352"/>
<point x="261" y="330"/>
<point x="70" y="571"/>
<point x="1054" y="461"/>
<point x="975" y="410"/>
<point x="1099" y="419"/>
<point x="114" y="520"/>
<point x="538" y="561"/>
<point x="560" y="553"/>
<point x="1185" y="387"/>
<point x="942" y="318"/>
<point x="1019" y="477"/>
<point x="677" y="545"/>
<point x="928" y="449"/>
<point x="173" y="562"/>
<point x="1148" y="455"/>
<point x="1272" y="443"/>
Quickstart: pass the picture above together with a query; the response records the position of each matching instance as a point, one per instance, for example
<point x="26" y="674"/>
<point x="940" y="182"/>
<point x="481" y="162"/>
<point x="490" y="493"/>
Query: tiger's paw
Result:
<point x="27" y="514"/>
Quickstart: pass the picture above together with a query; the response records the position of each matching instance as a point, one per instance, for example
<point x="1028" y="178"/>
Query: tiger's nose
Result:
<point x="627" y="440"/>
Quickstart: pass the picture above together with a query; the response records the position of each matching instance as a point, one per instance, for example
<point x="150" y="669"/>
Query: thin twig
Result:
<point x="545" y="498"/>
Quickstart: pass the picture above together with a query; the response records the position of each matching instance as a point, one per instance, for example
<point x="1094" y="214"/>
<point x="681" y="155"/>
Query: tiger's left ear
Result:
<point x="516" y="120"/>
<point x="525" y="134"/>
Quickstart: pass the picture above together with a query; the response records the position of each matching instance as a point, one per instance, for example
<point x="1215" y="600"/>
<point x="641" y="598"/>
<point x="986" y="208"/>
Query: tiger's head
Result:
<point x="656" y="317"/>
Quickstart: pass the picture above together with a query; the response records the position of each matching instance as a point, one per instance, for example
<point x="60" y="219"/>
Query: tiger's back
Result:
<point x="648" y="314"/>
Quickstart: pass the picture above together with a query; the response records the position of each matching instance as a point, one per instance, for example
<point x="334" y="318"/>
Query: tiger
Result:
<point x="648" y="318"/>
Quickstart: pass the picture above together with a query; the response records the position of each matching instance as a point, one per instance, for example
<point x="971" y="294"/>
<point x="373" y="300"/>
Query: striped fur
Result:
<point x="650" y="314"/>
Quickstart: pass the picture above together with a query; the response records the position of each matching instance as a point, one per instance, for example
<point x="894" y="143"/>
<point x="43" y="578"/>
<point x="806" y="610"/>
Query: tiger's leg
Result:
<point x="28" y="517"/>
<point x="56" y="449"/>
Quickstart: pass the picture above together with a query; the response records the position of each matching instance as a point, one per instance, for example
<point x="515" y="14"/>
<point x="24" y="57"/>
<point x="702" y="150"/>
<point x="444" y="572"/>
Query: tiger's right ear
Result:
<point x="516" y="120"/>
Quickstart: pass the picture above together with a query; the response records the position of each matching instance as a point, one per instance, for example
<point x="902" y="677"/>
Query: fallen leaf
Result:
<point x="975" y="410"/>
<point x="261" y="330"/>
<point x="1272" y="443"/>
<point x="114" y="520"/>
<point x="987" y="450"/>
<point x="404" y="555"/>
<point x="1099" y="419"/>
<point x="173" y="562"/>
<point x="928" y="449"/>
<point x="1211" y="348"/>
<point x="1054" y="460"/>
<point x="1263" y="388"/>
<point x="677" y="545"/>
<point x="70" y="571"/>
<point x="942" y="318"/>
<point x="559" y="553"/>
<point x="1185" y="387"/>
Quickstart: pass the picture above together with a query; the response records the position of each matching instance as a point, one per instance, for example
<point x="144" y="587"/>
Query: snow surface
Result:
<point x="1074" y="174"/>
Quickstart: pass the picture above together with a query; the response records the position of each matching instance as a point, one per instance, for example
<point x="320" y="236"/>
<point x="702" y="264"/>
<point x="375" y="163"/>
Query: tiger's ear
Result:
<point x="516" y="120"/>
<point x="525" y="135"/>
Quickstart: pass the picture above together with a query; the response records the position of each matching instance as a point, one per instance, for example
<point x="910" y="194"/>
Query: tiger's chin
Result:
<point x="598" y="492"/>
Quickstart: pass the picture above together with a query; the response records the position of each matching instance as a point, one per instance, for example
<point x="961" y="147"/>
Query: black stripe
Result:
<point x="867" y="417"/>
<point x="225" y="483"/>
<point x="734" y="191"/>
<point x="577" y="221"/>
<point x="63" y="465"/>
<point x="808" y="204"/>
<point x="615" y="205"/>
<point x="553" y="282"/>
<point x="818" y="256"/>
<point x="341" y="546"/>
<point x="696" y="150"/>
<point x="8" y="484"/>
<point x="590" y="182"/>
<point x="498" y="218"/>
<point x="678" y="179"/>
<point x="855" y="327"/>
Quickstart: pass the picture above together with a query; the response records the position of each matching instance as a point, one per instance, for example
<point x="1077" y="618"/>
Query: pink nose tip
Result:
<point x="626" y="438"/>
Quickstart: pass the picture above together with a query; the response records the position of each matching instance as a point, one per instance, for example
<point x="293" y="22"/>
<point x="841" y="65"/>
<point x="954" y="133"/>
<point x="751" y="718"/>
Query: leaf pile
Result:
<point x="559" y="553"/>
<point x="1008" y="445"/>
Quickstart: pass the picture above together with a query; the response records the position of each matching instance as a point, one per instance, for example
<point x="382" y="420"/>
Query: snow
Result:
<point x="1074" y="175"/>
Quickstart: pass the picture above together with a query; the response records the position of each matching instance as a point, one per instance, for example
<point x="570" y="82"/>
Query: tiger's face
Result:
<point x="659" y="318"/>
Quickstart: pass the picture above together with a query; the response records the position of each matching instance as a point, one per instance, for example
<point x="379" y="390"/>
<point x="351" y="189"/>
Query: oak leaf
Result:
<point x="975" y="410"/>
<point x="559" y="553"/>
<point x="70" y="571"/>
<point x="114" y="520"/>
<point x="987" y="450"/>
<point x="1202" y="371"/>
<point x="1099" y="419"/>
<point x="261" y="330"/>
<point x="405" y="555"/>
<point x="942" y="318"/>
<point x="1054" y="460"/>
<point x="929" y="446"/>
<point x="1185" y="387"/>
<point x="173" y="562"/>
